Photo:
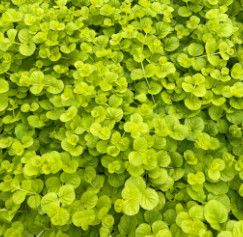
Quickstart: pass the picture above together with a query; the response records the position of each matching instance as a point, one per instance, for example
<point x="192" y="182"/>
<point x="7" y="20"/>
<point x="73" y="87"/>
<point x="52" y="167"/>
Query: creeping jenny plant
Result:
<point x="121" y="118"/>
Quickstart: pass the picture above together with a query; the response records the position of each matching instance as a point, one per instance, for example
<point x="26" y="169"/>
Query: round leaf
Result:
<point x="27" y="49"/>
<point x="215" y="212"/>
<point x="4" y="86"/>
<point x="149" y="199"/>
<point x="66" y="194"/>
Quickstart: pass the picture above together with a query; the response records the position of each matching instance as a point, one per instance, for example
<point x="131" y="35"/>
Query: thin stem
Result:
<point x="38" y="84"/>
<point x="27" y="191"/>
<point x="147" y="82"/>
<point x="205" y="55"/>
<point x="146" y="79"/>
<point x="216" y="53"/>
<point x="40" y="233"/>
<point x="169" y="167"/>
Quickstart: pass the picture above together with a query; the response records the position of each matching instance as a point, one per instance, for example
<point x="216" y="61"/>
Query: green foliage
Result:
<point x="215" y="213"/>
<point x="135" y="194"/>
<point x="121" y="118"/>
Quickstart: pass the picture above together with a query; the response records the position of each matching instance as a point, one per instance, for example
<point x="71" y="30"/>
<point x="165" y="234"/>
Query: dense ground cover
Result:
<point x="121" y="118"/>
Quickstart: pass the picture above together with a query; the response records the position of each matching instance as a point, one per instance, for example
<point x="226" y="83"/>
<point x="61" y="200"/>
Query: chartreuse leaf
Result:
<point x="34" y="201"/>
<point x="215" y="212"/>
<point x="52" y="184"/>
<point x="225" y="234"/>
<point x="72" y="179"/>
<point x="195" y="85"/>
<point x="89" y="199"/>
<point x="4" y="86"/>
<point x="27" y="49"/>
<point x="12" y="34"/>
<point x="192" y="102"/>
<point x="50" y="202"/>
<point x="205" y="142"/>
<point x="238" y="228"/>
<point x="237" y="71"/>
<point x="35" y="121"/>
<point x="143" y="230"/>
<point x="69" y="114"/>
<point x="51" y="162"/>
<point x="136" y="126"/>
<point x="60" y="217"/>
<point x="137" y="74"/>
<point x="136" y="194"/>
<point x="66" y="194"/>
<point x="121" y="118"/>
<point x="171" y="44"/>
<point x="4" y="102"/>
<point x="69" y="165"/>
<point x="16" y="229"/>
<point x="237" y="89"/>
<point x="83" y="218"/>
<point x="149" y="199"/>
<point x="24" y="36"/>
<point x="19" y="196"/>
<point x="55" y="87"/>
<point x="131" y="196"/>
<point x="195" y="126"/>
<point x="184" y="11"/>
<point x="195" y="49"/>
